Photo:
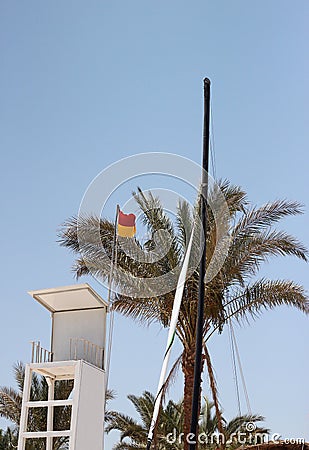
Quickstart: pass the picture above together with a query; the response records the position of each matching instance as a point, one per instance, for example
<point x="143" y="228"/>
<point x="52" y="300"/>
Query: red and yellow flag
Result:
<point x="126" y="225"/>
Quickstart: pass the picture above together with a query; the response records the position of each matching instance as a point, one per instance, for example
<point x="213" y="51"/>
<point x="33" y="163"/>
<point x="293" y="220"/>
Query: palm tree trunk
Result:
<point x="188" y="371"/>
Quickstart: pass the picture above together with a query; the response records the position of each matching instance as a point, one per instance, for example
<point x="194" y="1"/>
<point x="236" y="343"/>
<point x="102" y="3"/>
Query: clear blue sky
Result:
<point x="83" y="84"/>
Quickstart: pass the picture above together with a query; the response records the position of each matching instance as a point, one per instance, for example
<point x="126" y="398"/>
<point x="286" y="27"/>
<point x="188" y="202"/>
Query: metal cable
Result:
<point x="234" y="367"/>
<point x="241" y="371"/>
<point x="212" y="144"/>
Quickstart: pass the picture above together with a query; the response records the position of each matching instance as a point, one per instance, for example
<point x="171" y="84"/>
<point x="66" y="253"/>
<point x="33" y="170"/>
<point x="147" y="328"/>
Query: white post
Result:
<point x="75" y="406"/>
<point x="50" y="412"/>
<point x="24" y="410"/>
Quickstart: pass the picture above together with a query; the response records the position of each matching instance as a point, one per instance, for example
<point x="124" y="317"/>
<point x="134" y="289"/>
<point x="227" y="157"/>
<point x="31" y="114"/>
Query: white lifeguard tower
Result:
<point x="77" y="353"/>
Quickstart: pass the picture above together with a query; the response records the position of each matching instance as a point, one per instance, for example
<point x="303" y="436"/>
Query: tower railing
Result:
<point x="79" y="349"/>
<point x="40" y="354"/>
<point x="88" y="351"/>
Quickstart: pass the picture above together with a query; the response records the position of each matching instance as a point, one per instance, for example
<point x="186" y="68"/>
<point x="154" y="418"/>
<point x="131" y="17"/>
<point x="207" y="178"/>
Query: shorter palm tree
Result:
<point x="133" y="434"/>
<point x="242" y="429"/>
<point x="169" y="429"/>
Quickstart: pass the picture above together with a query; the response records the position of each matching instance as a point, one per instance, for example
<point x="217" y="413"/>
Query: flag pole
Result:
<point x="109" y="294"/>
<point x="202" y="271"/>
<point x="110" y="277"/>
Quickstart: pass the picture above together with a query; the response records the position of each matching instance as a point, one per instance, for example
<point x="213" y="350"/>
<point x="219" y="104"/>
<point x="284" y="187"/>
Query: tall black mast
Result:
<point x="202" y="271"/>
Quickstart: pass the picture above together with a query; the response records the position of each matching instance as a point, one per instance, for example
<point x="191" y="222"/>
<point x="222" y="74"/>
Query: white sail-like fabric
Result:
<point x="170" y="338"/>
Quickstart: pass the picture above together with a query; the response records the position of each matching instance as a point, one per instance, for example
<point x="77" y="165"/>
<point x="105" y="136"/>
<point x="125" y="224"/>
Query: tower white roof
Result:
<point x="69" y="298"/>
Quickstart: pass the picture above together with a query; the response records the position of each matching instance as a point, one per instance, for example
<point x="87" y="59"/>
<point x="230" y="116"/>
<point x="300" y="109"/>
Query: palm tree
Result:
<point x="109" y="395"/>
<point x="8" y="439"/>
<point x="234" y="433"/>
<point x="133" y="433"/>
<point x="235" y="292"/>
<point x="11" y="402"/>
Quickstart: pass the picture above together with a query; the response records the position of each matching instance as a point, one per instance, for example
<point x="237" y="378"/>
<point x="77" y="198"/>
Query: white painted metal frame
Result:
<point x="81" y="411"/>
<point x="48" y="370"/>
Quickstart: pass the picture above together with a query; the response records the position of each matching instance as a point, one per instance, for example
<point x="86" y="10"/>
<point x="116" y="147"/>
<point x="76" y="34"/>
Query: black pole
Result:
<point x="201" y="285"/>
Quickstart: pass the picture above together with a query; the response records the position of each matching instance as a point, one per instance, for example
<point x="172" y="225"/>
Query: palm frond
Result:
<point x="171" y="377"/>
<point x="263" y="295"/>
<point x="235" y="196"/>
<point x="19" y="375"/>
<point x="144" y="406"/>
<point x="238" y="423"/>
<point x="10" y="404"/>
<point x="248" y="252"/>
<point x="184" y="223"/>
<point x="257" y="219"/>
<point x="214" y="390"/>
